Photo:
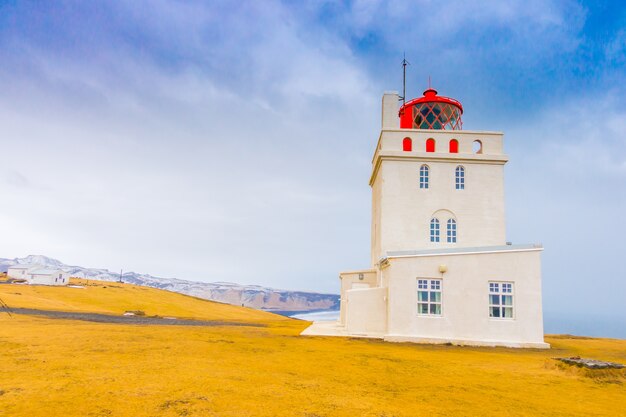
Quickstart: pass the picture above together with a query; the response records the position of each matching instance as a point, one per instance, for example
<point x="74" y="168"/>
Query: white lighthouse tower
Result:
<point x="441" y="269"/>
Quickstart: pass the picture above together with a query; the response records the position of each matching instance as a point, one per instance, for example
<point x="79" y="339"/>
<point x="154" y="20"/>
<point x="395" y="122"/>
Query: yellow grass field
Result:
<point x="55" y="367"/>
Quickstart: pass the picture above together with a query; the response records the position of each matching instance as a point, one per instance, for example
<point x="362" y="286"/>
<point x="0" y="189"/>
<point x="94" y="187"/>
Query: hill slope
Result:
<point x="116" y="298"/>
<point x="94" y="369"/>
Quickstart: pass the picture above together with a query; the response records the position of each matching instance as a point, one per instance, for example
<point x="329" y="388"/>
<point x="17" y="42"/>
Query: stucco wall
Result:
<point x="17" y="273"/>
<point x="367" y="311"/>
<point x="389" y="119"/>
<point x="376" y="224"/>
<point x="401" y="210"/>
<point x="366" y="277"/>
<point x="407" y="210"/>
<point x="465" y="303"/>
<point x="49" y="279"/>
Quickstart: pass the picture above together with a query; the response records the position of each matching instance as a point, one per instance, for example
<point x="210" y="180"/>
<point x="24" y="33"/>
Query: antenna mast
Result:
<point x="404" y="64"/>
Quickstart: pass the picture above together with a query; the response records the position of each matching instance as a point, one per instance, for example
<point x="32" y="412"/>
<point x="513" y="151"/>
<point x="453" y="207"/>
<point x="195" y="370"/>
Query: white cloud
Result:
<point x="180" y="167"/>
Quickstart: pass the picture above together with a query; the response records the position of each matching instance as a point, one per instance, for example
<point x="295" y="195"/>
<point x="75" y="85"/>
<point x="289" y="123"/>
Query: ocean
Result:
<point x="327" y="315"/>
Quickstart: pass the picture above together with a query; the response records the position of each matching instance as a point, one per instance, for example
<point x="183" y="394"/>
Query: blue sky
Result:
<point x="232" y="141"/>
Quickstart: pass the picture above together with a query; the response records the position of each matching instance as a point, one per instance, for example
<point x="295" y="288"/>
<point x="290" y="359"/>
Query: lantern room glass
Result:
<point x="436" y="115"/>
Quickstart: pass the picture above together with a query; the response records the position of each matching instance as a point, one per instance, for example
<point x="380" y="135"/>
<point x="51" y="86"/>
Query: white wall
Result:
<point x="56" y="278"/>
<point x="465" y="303"/>
<point x="376" y="224"/>
<point x="349" y="280"/>
<point x="402" y="211"/>
<point x="390" y="106"/>
<point x="17" y="273"/>
<point x="367" y="311"/>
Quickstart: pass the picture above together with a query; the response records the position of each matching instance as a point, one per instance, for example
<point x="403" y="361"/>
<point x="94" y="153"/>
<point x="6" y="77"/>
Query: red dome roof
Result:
<point x="430" y="96"/>
<point x="431" y="112"/>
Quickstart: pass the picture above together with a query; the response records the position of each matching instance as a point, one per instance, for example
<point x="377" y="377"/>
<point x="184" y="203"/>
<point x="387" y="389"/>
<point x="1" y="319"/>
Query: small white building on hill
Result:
<point x="38" y="275"/>
<point x="441" y="268"/>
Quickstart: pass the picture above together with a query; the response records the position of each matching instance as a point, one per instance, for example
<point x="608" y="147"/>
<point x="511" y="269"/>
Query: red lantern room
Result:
<point x="431" y="112"/>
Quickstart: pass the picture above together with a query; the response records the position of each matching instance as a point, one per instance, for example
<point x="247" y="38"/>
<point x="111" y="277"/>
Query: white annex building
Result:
<point x="441" y="268"/>
<point x="38" y="275"/>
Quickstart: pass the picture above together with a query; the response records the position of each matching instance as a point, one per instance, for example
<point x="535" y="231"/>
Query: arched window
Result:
<point x="424" y="171"/>
<point x="430" y="145"/>
<point x="459" y="178"/>
<point x="407" y="145"/>
<point x="477" y="146"/>
<point x="454" y="146"/>
<point x="451" y="231"/>
<point x="434" y="230"/>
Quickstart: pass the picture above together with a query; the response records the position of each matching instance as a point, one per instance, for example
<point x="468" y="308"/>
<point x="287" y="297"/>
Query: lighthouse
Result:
<point x="441" y="268"/>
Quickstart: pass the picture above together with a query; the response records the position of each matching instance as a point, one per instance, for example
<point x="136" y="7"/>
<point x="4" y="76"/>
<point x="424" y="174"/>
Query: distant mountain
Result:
<point x="226" y="292"/>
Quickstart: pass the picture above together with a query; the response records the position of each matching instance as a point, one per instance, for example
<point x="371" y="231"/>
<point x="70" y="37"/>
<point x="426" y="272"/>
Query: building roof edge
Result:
<point x="464" y="251"/>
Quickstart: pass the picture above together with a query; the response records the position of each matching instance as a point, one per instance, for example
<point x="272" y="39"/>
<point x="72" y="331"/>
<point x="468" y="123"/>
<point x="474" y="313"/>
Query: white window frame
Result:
<point x="424" y="177"/>
<point x="459" y="177"/>
<point x="451" y="230"/>
<point x="498" y="290"/>
<point x="432" y="290"/>
<point x="435" y="230"/>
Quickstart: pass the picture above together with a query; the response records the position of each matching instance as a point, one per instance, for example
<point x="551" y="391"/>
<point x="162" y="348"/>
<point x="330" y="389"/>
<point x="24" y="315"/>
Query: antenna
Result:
<point x="404" y="64"/>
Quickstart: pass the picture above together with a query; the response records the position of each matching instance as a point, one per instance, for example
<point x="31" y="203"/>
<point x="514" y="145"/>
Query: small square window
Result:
<point x="429" y="297"/>
<point x="501" y="300"/>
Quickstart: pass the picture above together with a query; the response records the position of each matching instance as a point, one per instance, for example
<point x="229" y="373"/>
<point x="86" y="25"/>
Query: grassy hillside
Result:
<point x="73" y="368"/>
<point x="116" y="298"/>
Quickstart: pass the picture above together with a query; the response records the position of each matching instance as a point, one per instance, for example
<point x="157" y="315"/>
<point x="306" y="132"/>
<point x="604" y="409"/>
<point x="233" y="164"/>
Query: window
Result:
<point x="429" y="297"/>
<point x="459" y="178"/>
<point x="477" y="146"/>
<point x="451" y="231"/>
<point x="407" y="144"/>
<point x="430" y="145"/>
<point x="454" y="146"/>
<point x="501" y="300"/>
<point x="434" y="230"/>
<point x="424" y="176"/>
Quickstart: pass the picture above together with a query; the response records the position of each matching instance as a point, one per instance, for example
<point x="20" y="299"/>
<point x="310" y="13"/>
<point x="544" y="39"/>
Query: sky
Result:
<point x="232" y="141"/>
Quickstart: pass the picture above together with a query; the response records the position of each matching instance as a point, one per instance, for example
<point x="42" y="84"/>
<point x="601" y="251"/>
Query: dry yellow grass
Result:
<point x="71" y="368"/>
<point x="116" y="298"/>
